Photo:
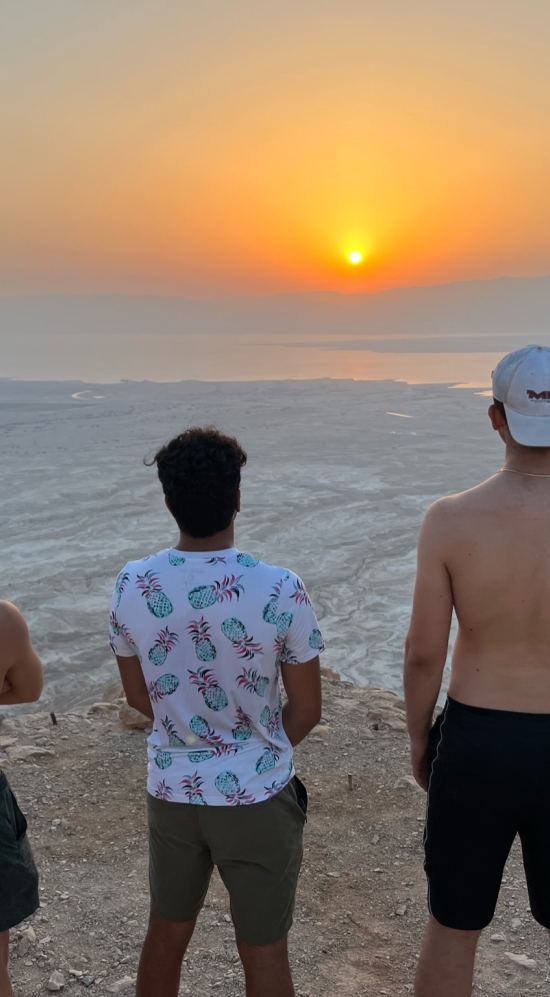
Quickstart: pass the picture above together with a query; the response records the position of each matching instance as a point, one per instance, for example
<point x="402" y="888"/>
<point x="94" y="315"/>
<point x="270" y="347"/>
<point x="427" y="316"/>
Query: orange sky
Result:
<point x="246" y="147"/>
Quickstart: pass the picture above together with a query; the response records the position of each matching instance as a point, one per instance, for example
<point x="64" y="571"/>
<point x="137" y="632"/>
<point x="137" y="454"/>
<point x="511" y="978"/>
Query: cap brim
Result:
<point x="528" y="430"/>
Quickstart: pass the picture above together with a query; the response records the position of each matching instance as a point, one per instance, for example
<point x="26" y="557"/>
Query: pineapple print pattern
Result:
<point x="283" y="624"/>
<point x="164" y="643"/>
<point x="176" y="560"/>
<point x="299" y="594"/>
<point x="218" y="737"/>
<point x="216" y="744"/>
<point x="251" y="680"/>
<point x="247" y="560"/>
<point x="242" y="731"/>
<point x="271" y="608"/>
<point x="192" y="787"/>
<point x="174" y="740"/>
<point x="206" y="595"/>
<point x="163" y="759"/>
<point x="235" y="631"/>
<point x="267" y="760"/>
<point x="164" y="792"/>
<point x="210" y="689"/>
<point x="164" y="686"/>
<point x="199" y="631"/>
<point x="315" y="640"/>
<point x="229" y="786"/>
<point x="271" y="720"/>
<point x="118" y="629"/>
<point x="157" y="602"/>
<point x="121" y="584"/>
<point x="275" y="787"/>
<point x="114" y="624"/>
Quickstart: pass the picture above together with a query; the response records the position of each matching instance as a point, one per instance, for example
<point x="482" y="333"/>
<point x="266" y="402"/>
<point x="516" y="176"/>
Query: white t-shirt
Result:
<point x="210" y="630"/>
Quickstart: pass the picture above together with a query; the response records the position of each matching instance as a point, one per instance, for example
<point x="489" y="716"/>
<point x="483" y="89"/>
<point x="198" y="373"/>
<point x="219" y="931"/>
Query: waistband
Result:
<point x="454" y="708"/>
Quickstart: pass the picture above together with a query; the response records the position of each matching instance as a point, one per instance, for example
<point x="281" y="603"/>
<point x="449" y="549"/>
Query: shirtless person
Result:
<point x="486" y="761"/>
<point x="20" y="682"/>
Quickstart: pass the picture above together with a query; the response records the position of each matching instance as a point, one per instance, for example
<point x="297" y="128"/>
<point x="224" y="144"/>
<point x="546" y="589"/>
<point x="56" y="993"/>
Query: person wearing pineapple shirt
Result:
<point x="20" y="682"/>
<point x="204" y="634"/>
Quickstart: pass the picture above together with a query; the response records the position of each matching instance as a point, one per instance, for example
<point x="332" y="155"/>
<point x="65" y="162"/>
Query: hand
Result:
<point x="419" y="762"/>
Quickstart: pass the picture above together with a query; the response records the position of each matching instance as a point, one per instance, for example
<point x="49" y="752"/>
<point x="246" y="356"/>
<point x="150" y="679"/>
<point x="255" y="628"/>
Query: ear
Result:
<point x="497" y="421"/>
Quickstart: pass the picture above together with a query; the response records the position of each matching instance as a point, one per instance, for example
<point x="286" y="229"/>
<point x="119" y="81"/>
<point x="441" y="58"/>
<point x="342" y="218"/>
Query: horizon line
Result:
<point x="10" y="296"/>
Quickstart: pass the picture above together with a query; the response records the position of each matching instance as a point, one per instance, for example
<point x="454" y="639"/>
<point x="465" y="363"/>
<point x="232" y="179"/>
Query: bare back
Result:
<point x="496" y="549"/>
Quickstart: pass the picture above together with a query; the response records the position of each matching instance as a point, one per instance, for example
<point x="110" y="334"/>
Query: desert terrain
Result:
<point x="361" y="905"/>
<point x="338" y="478"/>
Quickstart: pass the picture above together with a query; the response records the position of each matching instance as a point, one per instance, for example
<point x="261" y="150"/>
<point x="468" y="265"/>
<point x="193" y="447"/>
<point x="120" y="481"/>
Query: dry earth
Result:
<point x="361" y="904"/>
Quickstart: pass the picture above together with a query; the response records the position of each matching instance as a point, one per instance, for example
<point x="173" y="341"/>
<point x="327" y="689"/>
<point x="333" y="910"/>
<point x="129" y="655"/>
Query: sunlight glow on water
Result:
<point x="103" y="358"/>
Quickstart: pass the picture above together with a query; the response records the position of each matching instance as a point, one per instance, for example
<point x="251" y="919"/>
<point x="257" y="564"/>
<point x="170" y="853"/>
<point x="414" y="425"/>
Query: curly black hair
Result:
<point x="200" y="474"/>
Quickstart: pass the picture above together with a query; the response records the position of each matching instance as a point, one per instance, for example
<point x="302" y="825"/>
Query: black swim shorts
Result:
<point x="489" y="781"/>
<point x="18" y="875"/>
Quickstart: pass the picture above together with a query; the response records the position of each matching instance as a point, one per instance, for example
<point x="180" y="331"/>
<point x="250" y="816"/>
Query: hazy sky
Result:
<point x="246" y="146"/>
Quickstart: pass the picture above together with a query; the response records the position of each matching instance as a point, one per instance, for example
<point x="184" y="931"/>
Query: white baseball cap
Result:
<point x="521" y="381"/>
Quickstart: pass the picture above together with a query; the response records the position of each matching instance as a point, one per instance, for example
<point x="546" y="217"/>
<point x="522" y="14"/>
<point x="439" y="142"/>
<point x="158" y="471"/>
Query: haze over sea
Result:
<point x="354" y="421"/>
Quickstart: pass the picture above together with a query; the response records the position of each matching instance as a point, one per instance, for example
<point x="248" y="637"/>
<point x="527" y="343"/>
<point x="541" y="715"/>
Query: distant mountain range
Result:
<point x="507" y="306"/>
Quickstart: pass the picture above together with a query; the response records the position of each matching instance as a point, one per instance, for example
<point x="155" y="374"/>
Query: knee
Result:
<point x="453" y="936"/>
<point x="171" y="936"/>
<point x="268" y="958"/>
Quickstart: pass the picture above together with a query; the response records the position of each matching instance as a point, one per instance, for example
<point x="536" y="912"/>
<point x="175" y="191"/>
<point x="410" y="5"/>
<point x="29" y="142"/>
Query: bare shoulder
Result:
<point x="448" y="517"/>
<point x="462" y="504"/>
<point x="12" y="622"/>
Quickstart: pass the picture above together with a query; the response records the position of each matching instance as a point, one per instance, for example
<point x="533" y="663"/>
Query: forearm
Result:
<point x="141" y="702"/>
<point x="298" y="725"/>
<point x="422" y="681"/>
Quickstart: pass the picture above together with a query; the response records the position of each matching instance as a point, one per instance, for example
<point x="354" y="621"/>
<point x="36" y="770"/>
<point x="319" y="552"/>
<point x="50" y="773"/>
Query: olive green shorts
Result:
<point x="257" y="849"/>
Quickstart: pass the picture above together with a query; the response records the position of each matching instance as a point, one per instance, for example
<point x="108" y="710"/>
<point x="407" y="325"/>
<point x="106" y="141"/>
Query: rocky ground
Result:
<point x="361" y="905"/>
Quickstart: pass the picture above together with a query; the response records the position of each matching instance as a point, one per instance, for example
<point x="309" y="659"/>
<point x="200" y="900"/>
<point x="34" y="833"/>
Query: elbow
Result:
<point x="317" y="714"/>
<point x="32" y="692"/>
<point x="313" y="716"/>
<point x="424" y="657"/>
<point x="140" y="703"/>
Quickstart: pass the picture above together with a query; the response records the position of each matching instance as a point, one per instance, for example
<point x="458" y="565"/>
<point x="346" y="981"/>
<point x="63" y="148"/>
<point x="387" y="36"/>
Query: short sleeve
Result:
<point x="303" y="639"/>
<point x="120" y="640"/>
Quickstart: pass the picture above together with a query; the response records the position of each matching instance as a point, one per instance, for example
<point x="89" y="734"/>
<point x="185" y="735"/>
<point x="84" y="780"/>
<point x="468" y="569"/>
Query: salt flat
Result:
<point x="335" y="488"/>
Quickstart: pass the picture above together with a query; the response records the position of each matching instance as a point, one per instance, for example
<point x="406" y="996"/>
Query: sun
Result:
<point x="355" y="257"/>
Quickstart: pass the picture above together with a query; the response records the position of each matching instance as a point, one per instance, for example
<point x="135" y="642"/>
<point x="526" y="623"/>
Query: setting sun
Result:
<point x="355" y="257"/>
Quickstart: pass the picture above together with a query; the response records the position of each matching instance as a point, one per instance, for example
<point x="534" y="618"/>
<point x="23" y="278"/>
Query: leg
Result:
<point x="179" y="872"/>
<point x="258" y="850"/>
<point x="266" y="969"/>
<point x="446" y="965"/>
<point x="161" y="957"/>
<point x="5" y="985"/>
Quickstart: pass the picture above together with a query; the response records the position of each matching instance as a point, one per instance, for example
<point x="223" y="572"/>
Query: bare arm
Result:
<point x="303" y="687"/>
<point x="134" y="684"/>
<point x="21" y="676"/>
<point x="428" y="638"/>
